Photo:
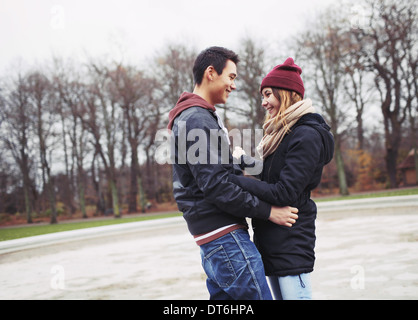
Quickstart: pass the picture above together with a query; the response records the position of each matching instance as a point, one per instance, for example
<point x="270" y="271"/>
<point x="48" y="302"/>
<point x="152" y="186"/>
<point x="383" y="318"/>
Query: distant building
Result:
<point x="408" y="170"/>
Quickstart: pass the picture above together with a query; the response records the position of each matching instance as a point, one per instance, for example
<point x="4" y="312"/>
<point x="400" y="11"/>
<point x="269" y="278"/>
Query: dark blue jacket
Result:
<point x="202" y="189"/>
<point x="289" y="175"/>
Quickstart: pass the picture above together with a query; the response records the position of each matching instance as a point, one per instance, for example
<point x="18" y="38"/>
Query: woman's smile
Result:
<point x="270" y="109"/>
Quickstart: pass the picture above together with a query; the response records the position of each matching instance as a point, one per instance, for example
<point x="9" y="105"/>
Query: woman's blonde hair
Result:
<point x="286" y="99"/>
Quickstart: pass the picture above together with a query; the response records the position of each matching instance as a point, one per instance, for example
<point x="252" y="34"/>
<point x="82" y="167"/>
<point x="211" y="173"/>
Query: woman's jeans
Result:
<point x="291" y="287"/>
<point x="234" y="268"/>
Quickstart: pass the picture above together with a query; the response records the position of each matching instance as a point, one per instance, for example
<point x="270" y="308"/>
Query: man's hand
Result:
<point x="285" y="216"/>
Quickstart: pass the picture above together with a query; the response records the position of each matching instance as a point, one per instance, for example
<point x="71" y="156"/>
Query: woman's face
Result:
<point x="270" y="102"/>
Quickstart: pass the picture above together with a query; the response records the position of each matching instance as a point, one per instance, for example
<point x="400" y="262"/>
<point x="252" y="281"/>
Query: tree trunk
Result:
<point x="133" y="192"/>
<point x="342" y="181"/>
<point x="51" y="197"/>
<point x="81" y="192"/>
<point x="142" y="200"/>
<point x="115" y="198"/>
<point x="26" y="187"/>
<point x="416" y="164"/>
<point x="28" y="206"/>
<point x="393" y="137"/>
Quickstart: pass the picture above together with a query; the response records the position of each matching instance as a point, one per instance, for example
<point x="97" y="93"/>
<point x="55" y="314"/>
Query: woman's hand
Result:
<point x="238" y="152"/>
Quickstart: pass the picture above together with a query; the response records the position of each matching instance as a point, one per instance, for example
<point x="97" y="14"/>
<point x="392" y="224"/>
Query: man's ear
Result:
<point x="209" y="73"/>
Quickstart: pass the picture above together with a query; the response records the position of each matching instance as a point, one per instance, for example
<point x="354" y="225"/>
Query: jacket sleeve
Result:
<point x="302" y="158"/>
<point x="212" y="171"/>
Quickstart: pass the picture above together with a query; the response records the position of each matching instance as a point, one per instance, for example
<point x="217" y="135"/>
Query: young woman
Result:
<point x="296" y="145"/>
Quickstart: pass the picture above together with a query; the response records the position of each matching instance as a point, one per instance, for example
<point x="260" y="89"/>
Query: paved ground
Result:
<point x="365" y="250"/>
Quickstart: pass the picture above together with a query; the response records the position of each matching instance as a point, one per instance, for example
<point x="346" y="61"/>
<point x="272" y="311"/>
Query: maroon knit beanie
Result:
<point x="285" y="76"/>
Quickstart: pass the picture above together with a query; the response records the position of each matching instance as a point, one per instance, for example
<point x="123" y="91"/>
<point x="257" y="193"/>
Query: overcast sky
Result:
<point x="33" y="31"/>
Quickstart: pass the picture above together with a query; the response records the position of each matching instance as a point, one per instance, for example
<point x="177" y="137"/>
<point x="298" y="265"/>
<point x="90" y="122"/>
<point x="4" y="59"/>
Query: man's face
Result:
<point x="222" y="85"/>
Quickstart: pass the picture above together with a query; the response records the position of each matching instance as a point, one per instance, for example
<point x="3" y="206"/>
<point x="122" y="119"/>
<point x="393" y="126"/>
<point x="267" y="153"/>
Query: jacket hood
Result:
<point x="316" y="121"/>
<point x="187" y="100"/>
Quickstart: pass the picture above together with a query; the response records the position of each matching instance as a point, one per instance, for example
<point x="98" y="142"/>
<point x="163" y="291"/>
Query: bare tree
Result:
<point x="71" y="94"/>
<point x="63" y="114"/>
<point x="101" y="117"/>
<point x="357" y="84"/>
<point x="388" y="42"/>
<point x="133" y="93"/>
<point x="321" y="51"/>
<point x="410" y="48"/>
<point x="173" y="70"/>
<point x="173" y="75"/>
<point x="251" y="70"/>
<point x="15" y="117"/>
<point x="39" y="88"/>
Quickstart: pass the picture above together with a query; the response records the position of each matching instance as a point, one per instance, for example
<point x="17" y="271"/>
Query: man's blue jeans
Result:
<point x="234" y="268"/>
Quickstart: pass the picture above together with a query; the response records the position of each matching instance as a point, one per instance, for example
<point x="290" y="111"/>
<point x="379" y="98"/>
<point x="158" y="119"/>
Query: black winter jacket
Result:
<point x="202" y="189"/>
<point x="289" y="174"/>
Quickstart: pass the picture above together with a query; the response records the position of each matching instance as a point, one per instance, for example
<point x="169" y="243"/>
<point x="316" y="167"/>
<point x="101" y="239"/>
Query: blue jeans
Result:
<point x="234" y="268"/>
<point x="291" y="287"/>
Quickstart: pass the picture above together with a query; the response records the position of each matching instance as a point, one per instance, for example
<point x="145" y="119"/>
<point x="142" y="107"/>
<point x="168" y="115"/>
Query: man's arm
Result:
<point x="213" y="178"/>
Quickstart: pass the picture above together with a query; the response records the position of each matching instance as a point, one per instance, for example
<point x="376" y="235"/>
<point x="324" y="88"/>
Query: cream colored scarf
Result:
<point x="275" y="132"/>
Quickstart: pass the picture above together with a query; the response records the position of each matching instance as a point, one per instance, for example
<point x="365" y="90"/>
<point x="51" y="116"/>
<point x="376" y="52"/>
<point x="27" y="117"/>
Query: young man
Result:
<point x="213" y="208"/>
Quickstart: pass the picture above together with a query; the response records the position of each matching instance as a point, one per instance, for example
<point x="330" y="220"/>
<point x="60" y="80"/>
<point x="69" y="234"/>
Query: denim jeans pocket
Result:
<point x="219" y="268"/>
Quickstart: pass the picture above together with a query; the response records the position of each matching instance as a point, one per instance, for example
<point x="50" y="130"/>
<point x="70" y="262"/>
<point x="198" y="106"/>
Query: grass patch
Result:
<point x="34" y="230"/>
<point x="378" y="194"/>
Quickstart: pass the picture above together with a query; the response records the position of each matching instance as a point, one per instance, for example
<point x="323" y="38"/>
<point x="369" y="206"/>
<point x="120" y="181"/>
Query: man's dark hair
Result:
<point x="215" y="57"/>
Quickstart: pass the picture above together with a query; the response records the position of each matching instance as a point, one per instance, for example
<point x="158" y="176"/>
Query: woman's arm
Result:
<point x="252" y="166"/>
<point x="302" y="158"/>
